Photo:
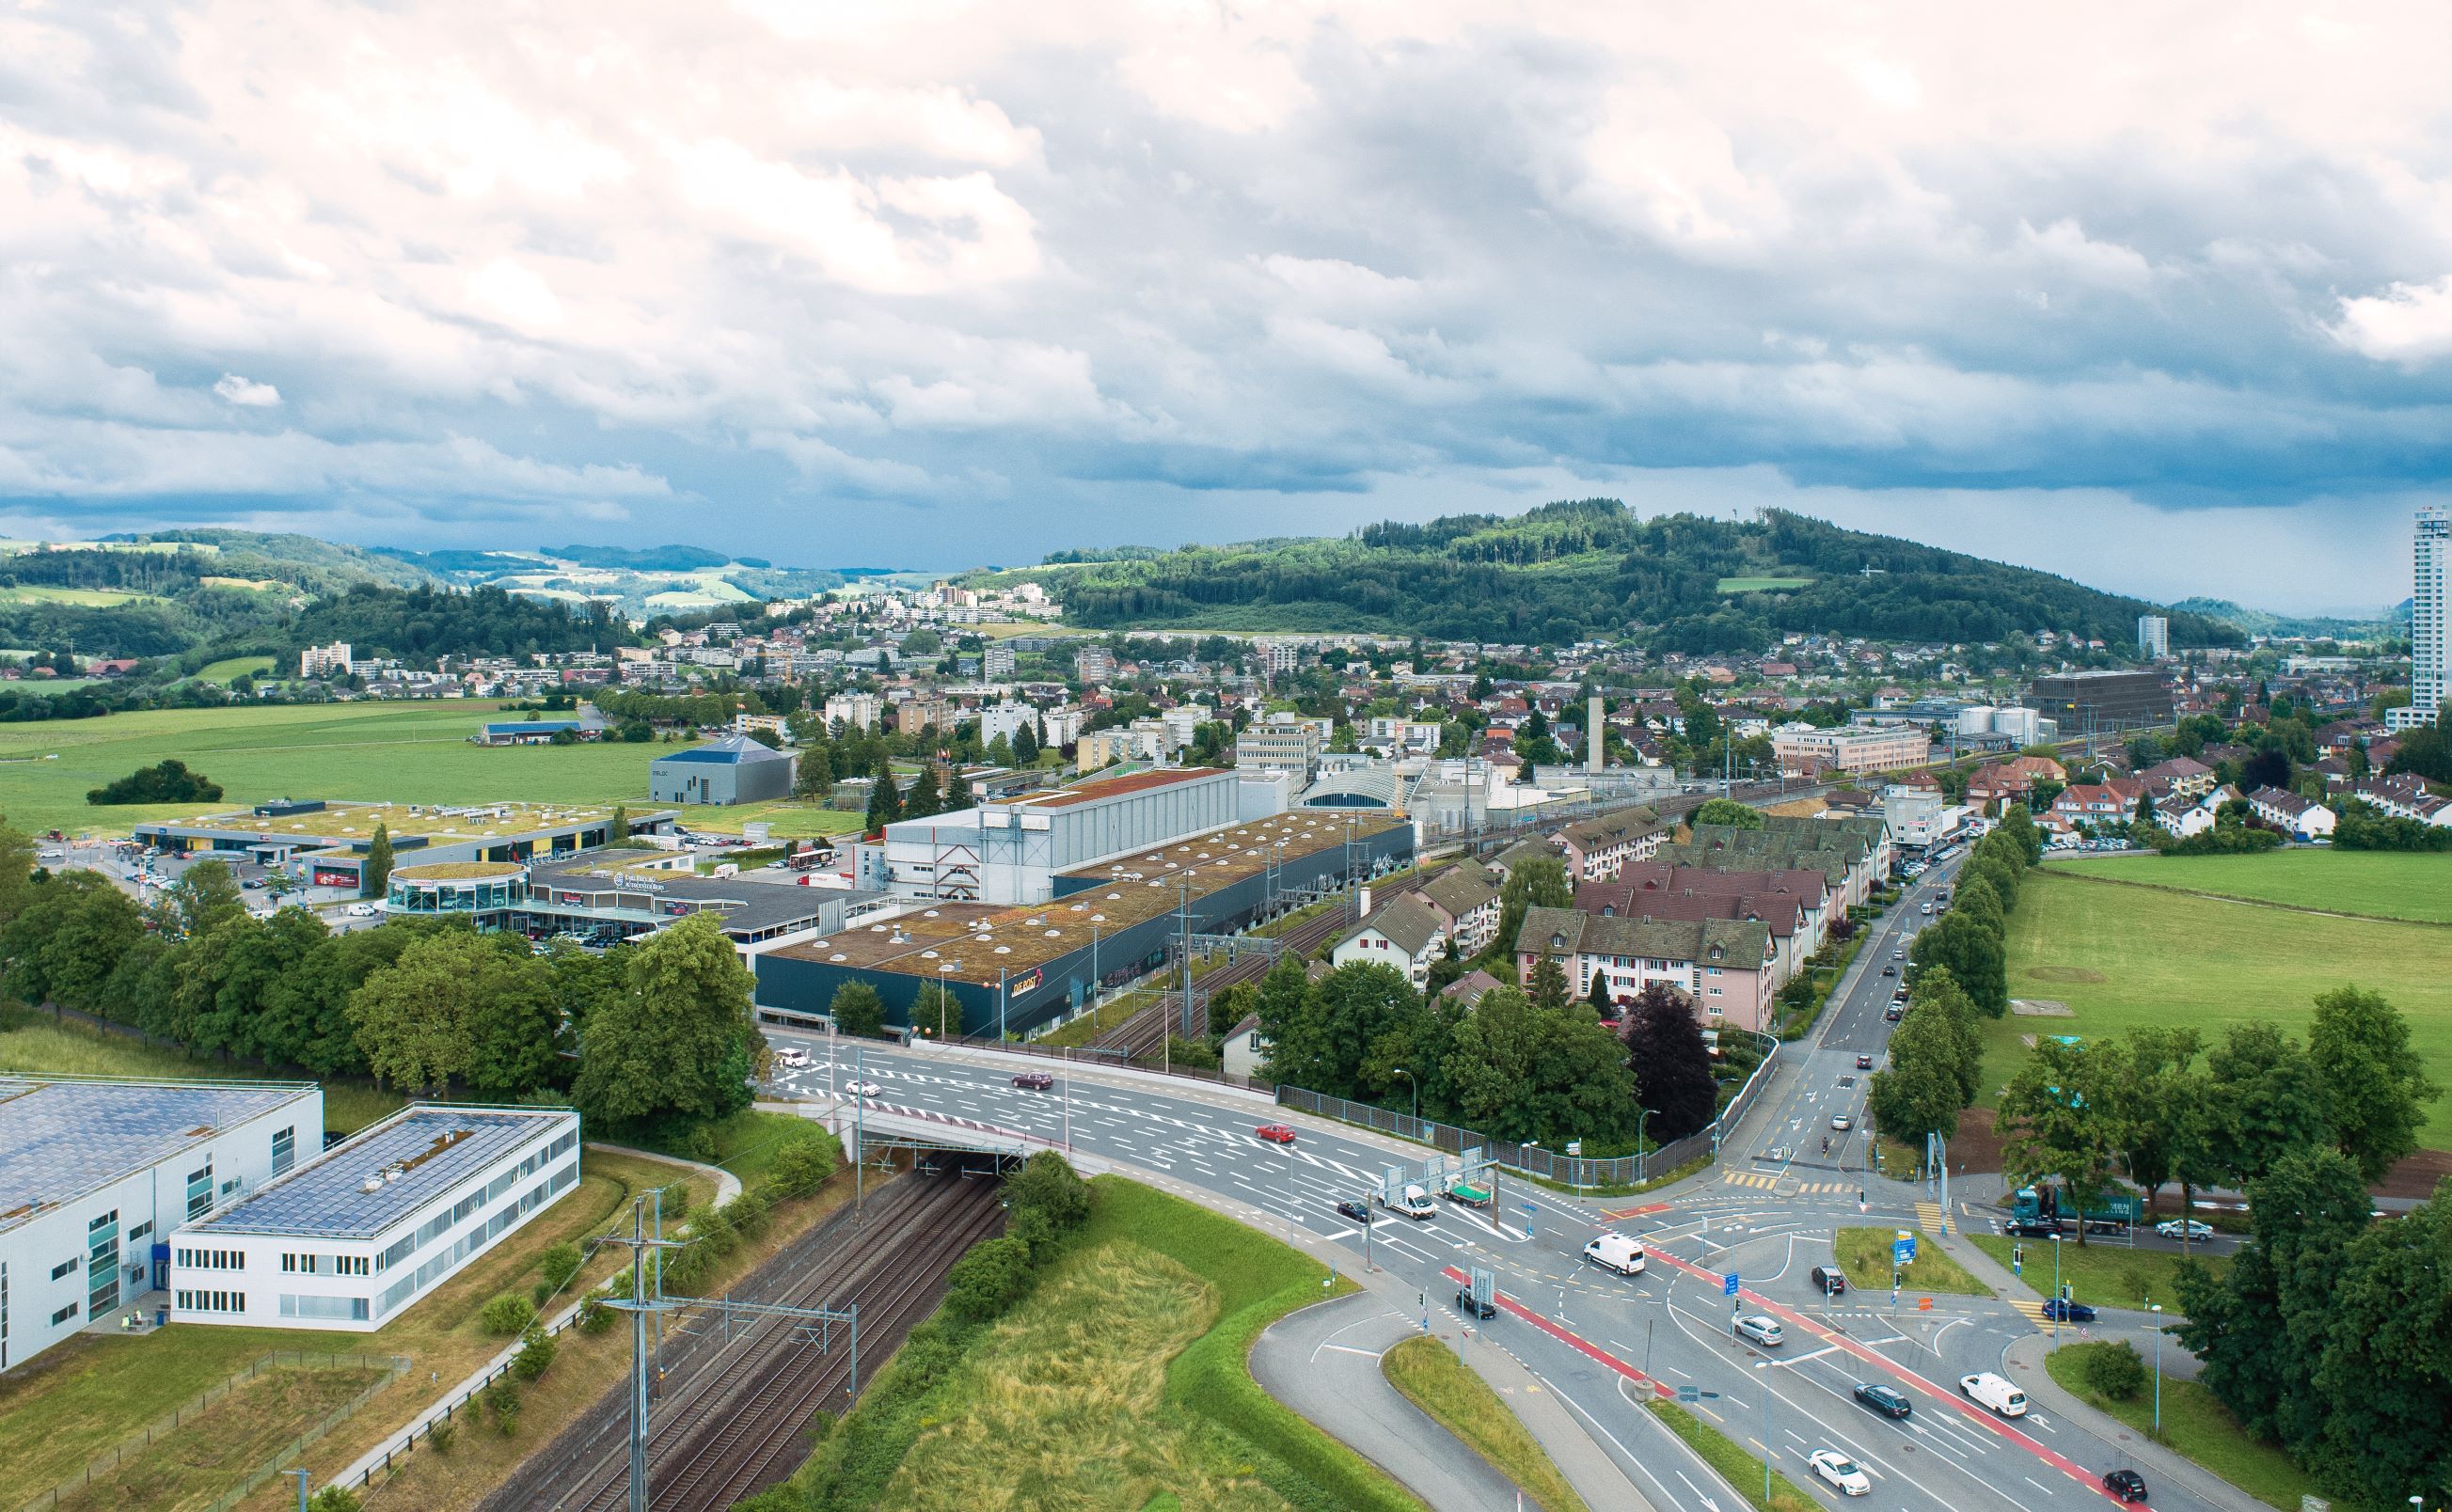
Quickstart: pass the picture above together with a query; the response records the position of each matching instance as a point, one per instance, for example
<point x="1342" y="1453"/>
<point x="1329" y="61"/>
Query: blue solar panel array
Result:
<point x="62" y="1139"/>
<point x="441" y="1147"/>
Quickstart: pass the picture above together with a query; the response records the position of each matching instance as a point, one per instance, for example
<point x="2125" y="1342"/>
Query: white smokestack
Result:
<point x="1593" y="732"/>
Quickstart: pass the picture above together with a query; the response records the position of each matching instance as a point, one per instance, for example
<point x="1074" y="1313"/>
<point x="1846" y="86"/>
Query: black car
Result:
<point x="2067" y="1311"/>
<point x="1359" y="1211"/>
<point x="2031" y="1228"/>
<point x="1465" y="1304"/>
<point x="1887" y="1401"/>
<point x="1035" y="1081"/>
<point x="2127" y="1484"/>
<point x="1889" y="970"/>
<point x="1829" y="1280"/>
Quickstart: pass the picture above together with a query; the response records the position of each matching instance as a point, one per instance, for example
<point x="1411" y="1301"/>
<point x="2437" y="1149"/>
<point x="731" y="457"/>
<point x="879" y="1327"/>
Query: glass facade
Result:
<point x="456" y="895"/>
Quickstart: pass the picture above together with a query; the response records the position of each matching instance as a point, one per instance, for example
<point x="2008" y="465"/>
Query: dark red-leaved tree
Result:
<point x="1673" y="1067"/>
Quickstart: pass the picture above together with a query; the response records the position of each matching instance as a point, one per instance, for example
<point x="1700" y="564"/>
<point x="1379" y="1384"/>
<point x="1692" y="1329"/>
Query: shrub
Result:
<point x="2116" y="1370"/>
<point x="594" y="1317"/>
<point x="802" y="1167"/>
<point x="540" y="1292"/>
<point x="502" y="1402"/>
<point x="560" y="1263"/>
<point x="703" y="1146"/>
<point x="334" y="1499"/>
<point x="1045" y="1199"/>
<point x="441" y="1435"/>
<point x="536" y="1354"/>
<point x="506" y="1315"/>
<point x="748" y="1213"/>
<point x="985" y="1281"/>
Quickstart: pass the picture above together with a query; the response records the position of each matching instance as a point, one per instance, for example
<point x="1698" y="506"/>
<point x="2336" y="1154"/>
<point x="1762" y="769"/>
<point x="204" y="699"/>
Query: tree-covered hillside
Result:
<point x="1592" y="568"/>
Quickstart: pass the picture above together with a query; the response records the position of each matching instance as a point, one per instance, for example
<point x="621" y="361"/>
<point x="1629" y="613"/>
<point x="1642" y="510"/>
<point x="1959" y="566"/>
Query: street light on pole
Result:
<point x="2157" y="1310"/>
<point x="2056" y="1283"/>
<point x="1417" y="1098"/>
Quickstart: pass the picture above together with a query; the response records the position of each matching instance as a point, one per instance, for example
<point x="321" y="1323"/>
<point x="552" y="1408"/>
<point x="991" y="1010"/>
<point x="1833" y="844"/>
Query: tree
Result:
<point x="922" y="800"/>
<point x="514" y="1021"/>
<point x="204" y="897"/>
<point x="2061" y="1122"/>
<point x="1936" y="992"/>
<point x="377" y="870"/>
<point x="412" y="1016"/>
<point x="1972" y="955"/>
<point x="1672" y="1064"/>
<point x="620" y="829"/>
<point x="1728" y="811"/>
<point x="815" y="776"/>
<point x="2382" y="1369"/>
<point x="16" y="872"/>
<point x="2017" y="823"/>
<point x="680" y="1041"/>
<point x="2424" y="751"/>
<point x="67" y="939"/>
<point x="1548" y="985"/>
<point x="1025" y="745"/>
<point x="1516" y="1071"/>
<point x="884" y="796"/>
<point x="2373" y="1085"/>
<point x="1538" y="881"/>
<point x="168" y="781"/>
<point x="2264" y="1099"/>
<point x="2153" y="1089"/>
<point x="858" y="1009"/>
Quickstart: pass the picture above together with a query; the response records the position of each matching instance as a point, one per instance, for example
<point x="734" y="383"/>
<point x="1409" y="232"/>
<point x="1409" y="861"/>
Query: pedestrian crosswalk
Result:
<point x="1930" y="1218"/>
<point x="1750" y="1178"/>
<point x="2031" y="1307"/>
<point x="1813" y="1188"/>
<point x="1768" y="1181"/>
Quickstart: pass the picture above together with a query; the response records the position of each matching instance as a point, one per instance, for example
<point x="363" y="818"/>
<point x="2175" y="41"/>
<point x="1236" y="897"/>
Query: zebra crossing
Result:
<point x="1750" y="1178"/>
<point x="2031" y="1308"/>
<point x="1931" y="1219"/>
<point x="1765" y="1181"/>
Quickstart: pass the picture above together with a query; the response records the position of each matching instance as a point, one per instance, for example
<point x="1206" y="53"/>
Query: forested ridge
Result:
<point x="1589" y="568"/>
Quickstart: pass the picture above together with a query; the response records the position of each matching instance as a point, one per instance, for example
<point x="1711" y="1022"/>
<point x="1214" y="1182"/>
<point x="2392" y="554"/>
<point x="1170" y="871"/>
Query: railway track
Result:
<point x="732" y="1407"/>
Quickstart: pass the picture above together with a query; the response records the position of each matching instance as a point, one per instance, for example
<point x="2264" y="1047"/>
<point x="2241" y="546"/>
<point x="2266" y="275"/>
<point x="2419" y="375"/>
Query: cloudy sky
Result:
<point x="2159" y="296"/>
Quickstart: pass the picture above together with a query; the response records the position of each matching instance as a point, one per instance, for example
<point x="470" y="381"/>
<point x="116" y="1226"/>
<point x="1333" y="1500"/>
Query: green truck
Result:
<point x="1466" y="1192"/>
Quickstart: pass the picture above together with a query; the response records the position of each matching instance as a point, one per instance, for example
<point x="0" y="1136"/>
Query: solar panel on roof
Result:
<point x="360" y="1188"/>
<point x="62" y="1139"/>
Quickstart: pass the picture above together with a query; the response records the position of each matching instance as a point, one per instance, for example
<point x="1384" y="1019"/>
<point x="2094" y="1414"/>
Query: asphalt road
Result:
<point x="1601" y="1342"/>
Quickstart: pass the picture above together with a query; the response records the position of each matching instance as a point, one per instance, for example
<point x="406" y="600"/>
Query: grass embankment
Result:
<point x="1742" y="1471"/>
<point x="68" y="1048"/>
<point x="80" y="1398"/>
<point x="1763" y="584"/>
<point x="230" y="669"/>
<point x="2124" y="957"/>
<point x="2194" y="1426"/>
<point x="2101" y="1275"/>
<point x="1864" y="1255"/>
<point x="1166" y="1408"/>
<point x="1431" y="1376"/>
<point x="406" y="753"/>
<point x="2380" y="884"/>
<point x="198" y="1462"/>
<point x="784" y="818"/>
<point x="1106" y="1017"/>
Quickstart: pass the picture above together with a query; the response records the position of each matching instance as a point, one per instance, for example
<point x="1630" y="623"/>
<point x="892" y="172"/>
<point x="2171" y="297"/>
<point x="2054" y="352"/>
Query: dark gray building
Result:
<point x="733" y="770"/>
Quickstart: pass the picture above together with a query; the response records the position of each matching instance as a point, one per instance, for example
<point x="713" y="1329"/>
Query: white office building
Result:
<point x="352" y="1237"/>
<point x="95" y="1175"/>
<point x="2430" y="632"/>
<point x="2154" y="636"/>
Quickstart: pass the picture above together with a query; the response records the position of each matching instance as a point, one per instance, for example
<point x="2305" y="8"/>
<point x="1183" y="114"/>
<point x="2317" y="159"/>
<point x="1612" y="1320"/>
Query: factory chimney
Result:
<point x="1593" y="732"/>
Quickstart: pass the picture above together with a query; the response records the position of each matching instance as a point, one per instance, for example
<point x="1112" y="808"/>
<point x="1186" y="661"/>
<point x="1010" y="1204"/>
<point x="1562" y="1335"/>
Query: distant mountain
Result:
<point x="1592" y="568"/>
<point x="641" y="583"/>
<point x="2321" y="627"/>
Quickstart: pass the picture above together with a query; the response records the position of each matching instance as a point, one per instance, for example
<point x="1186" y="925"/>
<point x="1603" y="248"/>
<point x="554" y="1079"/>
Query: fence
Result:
<point x="568" y="1318"/>
<point x="1085" y="1056"/>
<point x="178" y="1417"/>
<point x="1534" y="1160"/>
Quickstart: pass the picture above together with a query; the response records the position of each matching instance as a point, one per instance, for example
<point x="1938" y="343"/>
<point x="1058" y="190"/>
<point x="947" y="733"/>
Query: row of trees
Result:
<point x="641" y="1032"/>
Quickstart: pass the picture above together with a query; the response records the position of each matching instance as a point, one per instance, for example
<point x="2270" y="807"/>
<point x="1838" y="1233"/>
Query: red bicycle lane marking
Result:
<point x="1964" y="1408"/>
<point x="1579" y="1344"/>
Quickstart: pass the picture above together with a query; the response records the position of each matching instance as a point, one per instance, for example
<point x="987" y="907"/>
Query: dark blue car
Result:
<point x="2067" y="1311"/>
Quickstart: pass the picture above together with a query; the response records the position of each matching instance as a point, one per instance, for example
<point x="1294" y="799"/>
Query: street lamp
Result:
<point x="2056" y="1282"/>
<point x="2157" y="1310"/>
<point x="1641" y="1114"/>
<point x="1417" y="1098"/>
<point x="944" y="990"/>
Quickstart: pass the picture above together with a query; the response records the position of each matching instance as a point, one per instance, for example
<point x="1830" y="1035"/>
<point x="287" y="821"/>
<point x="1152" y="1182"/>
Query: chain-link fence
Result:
<point x="185" y="1413"/>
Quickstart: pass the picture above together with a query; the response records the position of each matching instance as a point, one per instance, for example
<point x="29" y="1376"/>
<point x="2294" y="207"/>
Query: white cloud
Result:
<point x="247" y="393"/>
<point x="2412" y="324"/>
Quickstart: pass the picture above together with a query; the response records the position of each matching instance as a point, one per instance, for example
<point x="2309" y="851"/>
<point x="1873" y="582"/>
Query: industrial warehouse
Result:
<point x="1010" y="968"/>
<point x="613" y="895"/>
<point x="327" y="843"/>
<point x="1010" y="851"/>
<point x="94" y="1175"/>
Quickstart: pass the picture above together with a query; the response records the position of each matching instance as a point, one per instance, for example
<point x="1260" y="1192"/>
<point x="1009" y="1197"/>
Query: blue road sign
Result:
<point x="1690" y="1393"/>
<point x="1729" y="1284"/>
<point x="1903" y="1249"/>
<point x="1529" y="1208"/>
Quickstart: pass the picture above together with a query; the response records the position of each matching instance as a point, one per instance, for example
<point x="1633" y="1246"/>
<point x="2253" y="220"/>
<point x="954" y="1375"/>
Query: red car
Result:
<point x="1034" y="1081"/>
<point x="1276" y="1133"/>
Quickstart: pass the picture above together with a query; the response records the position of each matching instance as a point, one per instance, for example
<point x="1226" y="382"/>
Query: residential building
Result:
<point x="1285" y="742"/>
<point x="1093" y="664"/>
<point x="1793" y="919"/>
<point x="1916" y="812"/>
<point x="2180" y="777"/>
<point x="346" y="1241"/>
<point x="2094" y="805"/>
<point x="2430" y="626"/>
<point x="852" y="710"/>
<point x="1598" y="847"/>
<point x="1405" y="935"/>
<point x="2012" y="781"/>
<point x="95" y="1175"/>
<point x="732" y="769"/>
<point x="1467" y="900"/>
<point x="2303" y="818"/>
<point x="316" y="661"/>
<point x="1005" y="720"/>
<point x="1725" y="966"/>
<point x="914" y="715"/>
<point x="2154" y="636"/>
<point x="997" y="660"/>
<point x="1804" y="748"/>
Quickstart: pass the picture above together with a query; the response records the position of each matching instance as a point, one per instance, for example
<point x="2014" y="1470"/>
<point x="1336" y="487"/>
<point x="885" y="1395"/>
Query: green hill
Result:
<point x="1592" y="568"/>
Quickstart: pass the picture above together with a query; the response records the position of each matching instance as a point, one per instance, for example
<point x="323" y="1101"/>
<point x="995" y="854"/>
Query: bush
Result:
<point x="987" y="1279"/>
<point x="1045" y="1199"/>
<point x="2115" y="1370"/>
<point x="502" y="1402"/>
<point x="441" y="1435"/>
<point x="506" y="1315"/>
<point x="802" y="1167"/>
<point x="334" y="1499"/>
<point x="701" y="1144"/>
<point x="594" y="1317"/>
<point x="560" y="1263"/>
<point x="540" y="1292"/>
<point x="748" y="1213"/>
<point x="536" y="1354"/>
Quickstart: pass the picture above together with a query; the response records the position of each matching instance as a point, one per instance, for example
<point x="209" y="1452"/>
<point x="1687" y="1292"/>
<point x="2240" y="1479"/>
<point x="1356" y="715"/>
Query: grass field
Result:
<point x="72" y="1050"/>
<point x="2197" y="1426"/>
<point x="227" y="669"/>
<point x="1763" y="584"/>
<point x="1431" y="1376"/>
<point x="2122" y="955"/>
<point x="410" y="753"/>
<point x="2381" y="884"/>
<point x="82" y="597"/>
<point x="198" y="1462"/>
<point x="1864" y="1254"/>
<point x="2100" y="1274"/>
<point x="1739" y="1466"/>
<point x="785" y="819"/>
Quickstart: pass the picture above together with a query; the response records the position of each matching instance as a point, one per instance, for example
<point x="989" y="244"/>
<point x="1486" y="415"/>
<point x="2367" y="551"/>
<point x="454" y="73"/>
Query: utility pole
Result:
<point x="637" y="1305"/>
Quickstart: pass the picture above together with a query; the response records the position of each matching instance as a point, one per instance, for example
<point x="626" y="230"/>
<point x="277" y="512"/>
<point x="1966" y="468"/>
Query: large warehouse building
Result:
<point x="2091" y="702"/>
<point x="94" y="1175"/>
<point x="733" y="770"/>
<point x="1010" y="851"/>
<point x="616" y="895"/>
<point x="325" y="843"/>
<point x="1020" y="965"/>
<point x="347" y="1240"/>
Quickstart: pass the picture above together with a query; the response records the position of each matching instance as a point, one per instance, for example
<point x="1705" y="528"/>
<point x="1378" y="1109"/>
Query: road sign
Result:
<point x="1903" y="1251"/>
<point x="1529" y="1208"/>
<point x="1923" y="1304"/>
<point x="1729" y="1284"/>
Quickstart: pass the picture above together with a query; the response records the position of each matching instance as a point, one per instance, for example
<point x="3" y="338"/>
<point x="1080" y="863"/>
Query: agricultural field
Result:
<point x="1763" y="584"/>
<point x="81" y="598"/>
<point x="2119" y="956"/>
<point x="2380" y="884"/>
<point x="403" y="753"/>
<point x="229" y="668"/>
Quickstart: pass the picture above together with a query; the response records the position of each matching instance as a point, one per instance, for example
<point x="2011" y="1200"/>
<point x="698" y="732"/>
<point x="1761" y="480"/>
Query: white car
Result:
<point x="861" y="1089"/>
<point x="792" y="1059"/>
<point x="1839" y="1121"/>
<point x="362" y="910"/>
<point x="1841" y="1472"/>
<point x="2183" y="1228"/>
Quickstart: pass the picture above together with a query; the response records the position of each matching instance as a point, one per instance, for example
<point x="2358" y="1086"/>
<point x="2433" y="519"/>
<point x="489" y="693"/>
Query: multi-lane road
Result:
<point x="1600" y="1341"/>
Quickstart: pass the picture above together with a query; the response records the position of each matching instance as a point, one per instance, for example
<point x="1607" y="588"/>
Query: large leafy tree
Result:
<point x="2060" y="1119"/>
<point x="2383" y="1371"/>
<point x="856" y="1010"/>
<point x="1672" y="1064"/>
<point x="1535" y="881"/>
<point x="1971" y="953"/>
<point x="514" y="1021"/>
<point x="2019" y="827"/>
<point x="682" y="1040"/>
<point x="413" y="1016"/>
<point x="2264" y="1099"/>
<point x="1936" y="992"/>
<point x="66" y="940"/>
<point x="2374" y="1085"/>
<point x="2158" y="1095"/>
<point x="1728" y="811"/>
<point x="1518" y="1071"/>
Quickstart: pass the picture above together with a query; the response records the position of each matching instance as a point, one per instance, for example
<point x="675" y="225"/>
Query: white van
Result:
<point x="1615" y="1252"/>
<point x="1996" y="1393"/>
<point x="1415" y="1203"/>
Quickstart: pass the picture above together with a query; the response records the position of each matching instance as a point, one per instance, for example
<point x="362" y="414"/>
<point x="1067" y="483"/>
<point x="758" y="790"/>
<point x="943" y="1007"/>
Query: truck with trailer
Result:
<point x="1457" y="1189"/>
<point x="2111" y="1212"/>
